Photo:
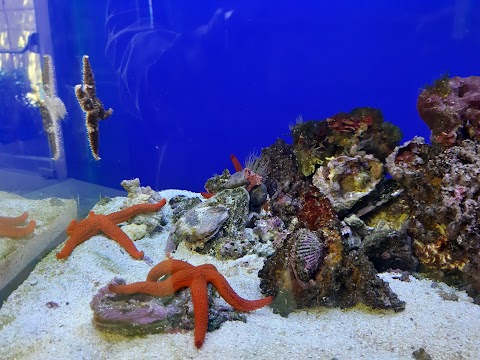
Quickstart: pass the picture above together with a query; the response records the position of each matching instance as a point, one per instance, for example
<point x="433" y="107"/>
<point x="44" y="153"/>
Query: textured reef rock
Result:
<point x="321" y="260"/>
<point x="345" y="180"/>
<point x="359" y="132"/>
<point x="198" y="226"/>
<point x="249" y="177"/>
<point x="442" y="188"/>
<point x="141" y="314"/>
<point x="218" y="226"/>
<point x="451" y="109"/>
<point x="316" y="266"/>
<point x="180" y="204"/>
<point x="140" y="195"/>
<point x="283" y="181"/>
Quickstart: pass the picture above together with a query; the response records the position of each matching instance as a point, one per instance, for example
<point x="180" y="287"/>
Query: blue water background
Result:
<point x="194" y="81"/>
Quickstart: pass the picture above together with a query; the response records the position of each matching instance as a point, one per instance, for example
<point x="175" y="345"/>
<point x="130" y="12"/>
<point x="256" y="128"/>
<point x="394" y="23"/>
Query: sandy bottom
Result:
<point x="29" y="329"/>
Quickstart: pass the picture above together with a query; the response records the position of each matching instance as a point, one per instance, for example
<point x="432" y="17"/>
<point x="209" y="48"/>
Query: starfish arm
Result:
<point x="48" y="77"/>
<point x="207" y="195"/>
<point x="71" y="227"/>
<point x="199" y="291"/>
<point x="13" y="220"/>
<point x="230" y="296"/>
<point x="82" y="97"/>
<point x="144" y="287"/>
<point x="80" y="232"/>
<point x="161" y="289"/>
<point x="236" y="163"/>
<point x="117" y="234"/>
<point x="167" y="267"/>
<point x="128" y="213"/>
<point x="72" y="242"/>
<point x="74" y="224"/>
<point x="17" y="232"/>
<point x="91" y="124"/>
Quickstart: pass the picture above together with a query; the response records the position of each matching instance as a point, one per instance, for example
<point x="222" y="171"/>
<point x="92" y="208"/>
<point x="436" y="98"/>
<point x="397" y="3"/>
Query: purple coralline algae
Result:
<point x="451" y="109"/>
<point x="141" y="314"/>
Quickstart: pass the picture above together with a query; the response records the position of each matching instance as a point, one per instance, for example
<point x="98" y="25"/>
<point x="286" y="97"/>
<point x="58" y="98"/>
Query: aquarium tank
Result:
<point x="239" y="179"/>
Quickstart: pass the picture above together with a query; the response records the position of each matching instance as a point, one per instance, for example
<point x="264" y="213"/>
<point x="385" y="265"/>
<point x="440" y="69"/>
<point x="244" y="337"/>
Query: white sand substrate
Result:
<point x="29" y="329"/>
<point x="52" y="215"/>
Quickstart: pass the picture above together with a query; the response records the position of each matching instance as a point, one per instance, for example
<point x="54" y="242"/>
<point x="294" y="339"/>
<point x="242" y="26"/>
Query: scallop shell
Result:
<point x="306" y="255"/>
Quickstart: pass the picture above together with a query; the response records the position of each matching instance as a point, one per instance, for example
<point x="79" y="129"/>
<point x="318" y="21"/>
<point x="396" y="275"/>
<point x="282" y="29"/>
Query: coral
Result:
<point x="135" y="231"/>
<point x="390" y="249"/>
<point x="451" y="109"/>
<point x="217" y="183"/>
<point x="404" y="163"/>
<point x="258" y="197"/>
<point x="471" y="278"/>
<point x="139" y="194"/>
<point x="384" y="232"/>
<point x="332" y="270"/>
<point x="271" y="229"/>
<point x="247" y="177"/>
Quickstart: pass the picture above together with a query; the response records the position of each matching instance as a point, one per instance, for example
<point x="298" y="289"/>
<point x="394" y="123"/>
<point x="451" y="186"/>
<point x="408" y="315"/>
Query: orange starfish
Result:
<point x="79" y="232"/>
<point x="196" y="278"/>
<point x="9" y="226"/>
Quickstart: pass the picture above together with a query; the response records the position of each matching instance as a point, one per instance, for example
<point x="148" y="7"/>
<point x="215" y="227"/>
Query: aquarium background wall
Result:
<point x="192" y="82"/>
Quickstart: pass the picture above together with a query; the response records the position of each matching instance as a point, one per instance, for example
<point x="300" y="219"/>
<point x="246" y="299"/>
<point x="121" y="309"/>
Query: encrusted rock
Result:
<point x="141" y="314"/>
<point x="198" y="225"/>
<point x="217" y="183"/>
<point x="443" y="197"/>
<point x="224" y="214"/>
<point x="345" y="180"/>
<point x="180" y="204"/>
<point x="134" y="231"/>
<point x="139" y="194"/>
<point x="404" y="163"/>
<point x="451" y="109"/>
<point x="362" y="131"/>
<point x="345" y="277"/>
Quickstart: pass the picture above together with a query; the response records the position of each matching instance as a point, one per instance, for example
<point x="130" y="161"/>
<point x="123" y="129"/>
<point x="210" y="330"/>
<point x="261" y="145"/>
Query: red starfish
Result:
<point x="9" y="226"/>
<point x="196" y="278"/>
<point x="79" y="232"/>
